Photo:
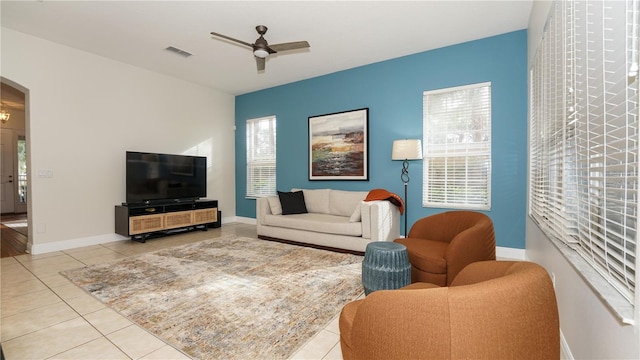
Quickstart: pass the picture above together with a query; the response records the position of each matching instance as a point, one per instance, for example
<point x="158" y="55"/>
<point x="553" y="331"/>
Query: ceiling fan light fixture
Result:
<point x="4" y="113"/>
<point x="261" y="53"/>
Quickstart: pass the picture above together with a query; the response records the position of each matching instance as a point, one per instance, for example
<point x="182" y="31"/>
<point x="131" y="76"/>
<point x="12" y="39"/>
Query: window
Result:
<point x="261" y="157"/>
<point x="457" y="138"/>
<point x="22" y="170"/>
<point x="584" y="135"/>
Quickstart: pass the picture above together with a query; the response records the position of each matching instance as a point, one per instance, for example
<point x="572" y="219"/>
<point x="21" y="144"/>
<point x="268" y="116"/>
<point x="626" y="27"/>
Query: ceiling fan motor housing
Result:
<point x="261" y="29"/>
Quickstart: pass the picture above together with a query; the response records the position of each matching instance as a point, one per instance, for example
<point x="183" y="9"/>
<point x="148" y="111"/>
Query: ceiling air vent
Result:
<point x="178" y="51"/>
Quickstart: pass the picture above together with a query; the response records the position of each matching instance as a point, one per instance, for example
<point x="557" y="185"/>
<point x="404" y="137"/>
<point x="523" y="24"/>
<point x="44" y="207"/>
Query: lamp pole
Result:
<point x="405" y="150"/>
<point x="405" y="179"/>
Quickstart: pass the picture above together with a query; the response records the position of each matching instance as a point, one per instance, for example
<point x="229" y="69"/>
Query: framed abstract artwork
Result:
<point x="339" y="146"/>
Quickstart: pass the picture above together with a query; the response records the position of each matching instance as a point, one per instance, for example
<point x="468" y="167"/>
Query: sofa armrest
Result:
<point x="380" y="220"/>
<point x="262" y="209"/>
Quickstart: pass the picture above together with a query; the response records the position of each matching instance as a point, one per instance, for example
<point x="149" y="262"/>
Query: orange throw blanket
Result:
<point x="382" y="194"/>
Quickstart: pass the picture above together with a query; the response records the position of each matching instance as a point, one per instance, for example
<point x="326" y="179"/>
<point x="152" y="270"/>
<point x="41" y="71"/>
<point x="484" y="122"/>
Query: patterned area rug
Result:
<point x="229" y="297"/>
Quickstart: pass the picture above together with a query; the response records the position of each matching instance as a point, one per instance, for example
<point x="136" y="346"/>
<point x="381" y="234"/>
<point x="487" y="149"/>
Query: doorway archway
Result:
<point x="15" y="172"/>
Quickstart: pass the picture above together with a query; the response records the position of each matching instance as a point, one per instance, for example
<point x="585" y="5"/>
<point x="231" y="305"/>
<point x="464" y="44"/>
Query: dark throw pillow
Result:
<point x="292" y="202"/>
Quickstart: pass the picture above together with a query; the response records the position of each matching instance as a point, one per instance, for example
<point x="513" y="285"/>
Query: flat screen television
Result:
<point x="153" y="178"/>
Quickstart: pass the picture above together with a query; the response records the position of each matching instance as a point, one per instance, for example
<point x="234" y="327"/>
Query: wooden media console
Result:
<point x="141" y="221"/>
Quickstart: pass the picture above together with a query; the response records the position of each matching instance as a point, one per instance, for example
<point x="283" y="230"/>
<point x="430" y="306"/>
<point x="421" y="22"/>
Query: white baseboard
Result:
<point x="565" y="351"/>
<point x="36" y="249"/>
<point x="240" y="219"/>
<point x="74" y="243"/>
<point x="510" y="253"/>
<point x="501" y="252"/>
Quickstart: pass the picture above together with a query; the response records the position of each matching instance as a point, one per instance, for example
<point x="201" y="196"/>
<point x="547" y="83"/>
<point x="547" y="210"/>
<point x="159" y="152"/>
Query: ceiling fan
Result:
<point x="261" y="49"/>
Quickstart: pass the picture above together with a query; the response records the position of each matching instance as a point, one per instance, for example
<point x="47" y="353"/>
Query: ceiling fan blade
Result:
<point x="260" y="63"/>
<point x="290" y="46"/>
<point x="232" y="39"/>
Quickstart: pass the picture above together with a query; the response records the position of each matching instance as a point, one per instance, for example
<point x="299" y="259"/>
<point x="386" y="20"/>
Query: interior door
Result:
<point x="7" y="183"/>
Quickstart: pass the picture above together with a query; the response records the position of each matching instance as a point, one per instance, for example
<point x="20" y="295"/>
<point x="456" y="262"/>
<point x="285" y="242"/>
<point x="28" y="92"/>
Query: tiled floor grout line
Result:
<point x="56" y="294"/>
<point x="49" y="281"/>
<point x="79" y="315"/>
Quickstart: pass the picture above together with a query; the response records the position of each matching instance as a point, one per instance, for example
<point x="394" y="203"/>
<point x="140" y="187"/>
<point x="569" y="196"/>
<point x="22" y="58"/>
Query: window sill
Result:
<point x="612" y="299"/>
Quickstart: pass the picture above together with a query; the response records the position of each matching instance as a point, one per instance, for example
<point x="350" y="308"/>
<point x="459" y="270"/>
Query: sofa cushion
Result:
<point x="292" y="202"/>
<point x="317" y="200"/>
<point x="357" y="213"/>
<point x="322" y="223"/>
<point x="343" y="203"/>
<point x="274" y="205"/>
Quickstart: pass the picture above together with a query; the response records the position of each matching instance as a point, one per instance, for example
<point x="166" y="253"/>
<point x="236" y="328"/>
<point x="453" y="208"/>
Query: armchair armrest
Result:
<point x="477" y="243"/>
<point x="480" y="271"/>
<point x="433" y="227"/>
<point x="397" y="324"/>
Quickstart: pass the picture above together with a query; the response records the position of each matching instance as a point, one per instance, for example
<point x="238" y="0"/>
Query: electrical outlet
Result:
<point x="45" y="173"/>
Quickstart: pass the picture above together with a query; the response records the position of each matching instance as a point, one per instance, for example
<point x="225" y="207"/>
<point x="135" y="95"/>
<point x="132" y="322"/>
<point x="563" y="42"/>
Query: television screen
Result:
<point x="152" y="177"/>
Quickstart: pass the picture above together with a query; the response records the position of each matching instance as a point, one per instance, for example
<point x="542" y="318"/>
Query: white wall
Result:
<point x="84" y="112"/>
<point x="590" y="330"/>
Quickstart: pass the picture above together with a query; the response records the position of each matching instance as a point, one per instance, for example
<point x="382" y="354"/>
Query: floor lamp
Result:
<point x="406" y="150"/>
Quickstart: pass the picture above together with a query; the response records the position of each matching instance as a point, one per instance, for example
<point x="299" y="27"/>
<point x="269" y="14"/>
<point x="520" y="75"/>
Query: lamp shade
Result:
<point x="408" y="149"/>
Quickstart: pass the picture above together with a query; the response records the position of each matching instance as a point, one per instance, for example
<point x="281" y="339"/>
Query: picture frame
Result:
<point x="339" y="146"/>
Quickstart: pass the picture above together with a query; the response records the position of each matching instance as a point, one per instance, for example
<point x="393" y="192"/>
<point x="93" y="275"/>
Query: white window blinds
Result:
<point x="457" y="150"/>
<point x="584" y="134"/>
<point x="261" y="157"/>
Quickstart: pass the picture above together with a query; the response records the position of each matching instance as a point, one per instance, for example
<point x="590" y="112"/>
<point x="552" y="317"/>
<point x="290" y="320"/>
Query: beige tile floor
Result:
<point x="45" y="316"/>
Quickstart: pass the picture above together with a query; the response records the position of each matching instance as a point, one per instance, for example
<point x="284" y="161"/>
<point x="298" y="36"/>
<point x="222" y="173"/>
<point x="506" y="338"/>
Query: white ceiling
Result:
<point x="342" y="34"/>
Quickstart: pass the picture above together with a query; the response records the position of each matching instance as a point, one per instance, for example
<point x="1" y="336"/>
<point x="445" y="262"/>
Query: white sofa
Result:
<point x="336" y="219"/>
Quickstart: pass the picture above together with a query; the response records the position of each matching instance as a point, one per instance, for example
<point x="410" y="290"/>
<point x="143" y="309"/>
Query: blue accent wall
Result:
<point x="392" y="90"/>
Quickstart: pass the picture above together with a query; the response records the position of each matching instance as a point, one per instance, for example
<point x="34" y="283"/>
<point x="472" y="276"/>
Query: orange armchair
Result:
<point x="492" y="310"/>
<point x="441" y="245"/>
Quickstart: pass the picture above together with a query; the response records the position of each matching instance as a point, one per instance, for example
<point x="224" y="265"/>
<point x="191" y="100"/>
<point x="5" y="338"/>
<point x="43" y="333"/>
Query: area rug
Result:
<point x="230" y="297"/>
<point x="18" y="225"/>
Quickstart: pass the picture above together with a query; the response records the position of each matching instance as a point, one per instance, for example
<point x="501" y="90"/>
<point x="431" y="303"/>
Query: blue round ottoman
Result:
<point x="385" y="266"/>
